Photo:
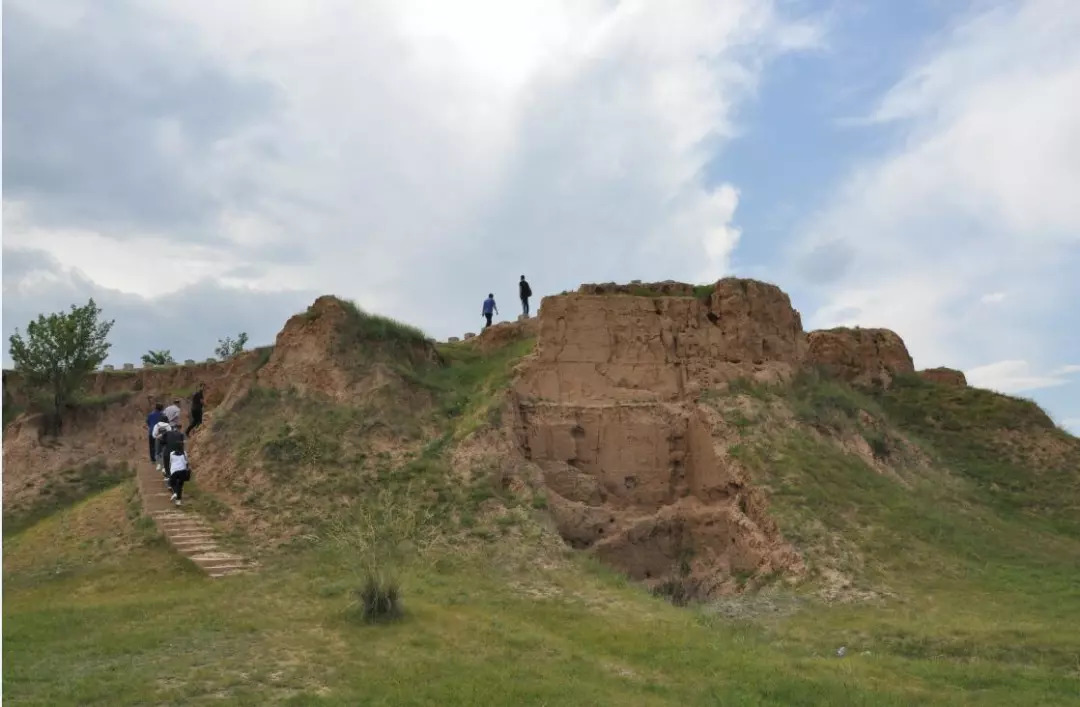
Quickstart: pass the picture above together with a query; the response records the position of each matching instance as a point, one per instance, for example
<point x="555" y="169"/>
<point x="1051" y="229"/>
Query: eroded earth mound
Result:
<point x="861" y="356"/>
<point x="944" y="376"/>
<point x="608" y="411"/>
<point x="332" y="349"/>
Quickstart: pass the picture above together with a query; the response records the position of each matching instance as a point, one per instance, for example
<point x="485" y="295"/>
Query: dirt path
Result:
<point x="188" y="533"/>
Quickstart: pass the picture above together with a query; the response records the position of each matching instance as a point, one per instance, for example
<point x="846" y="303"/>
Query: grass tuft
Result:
<point x="379" y="599"/>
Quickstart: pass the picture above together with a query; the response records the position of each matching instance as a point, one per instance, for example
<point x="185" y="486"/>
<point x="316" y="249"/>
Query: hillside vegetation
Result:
<point x="939" y="525"/>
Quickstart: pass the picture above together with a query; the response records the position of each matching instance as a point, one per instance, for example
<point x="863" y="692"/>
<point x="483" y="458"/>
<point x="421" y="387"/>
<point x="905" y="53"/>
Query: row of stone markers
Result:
<point x="131" y="366"/>
<point x="469" y="335"/>
<point x="455" y="339"/>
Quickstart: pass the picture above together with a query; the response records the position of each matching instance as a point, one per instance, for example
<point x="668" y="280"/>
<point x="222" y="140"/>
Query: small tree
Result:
<point x="229" y="347"/>
<point x="59" y="351"/>
<point x="158" y="358"/>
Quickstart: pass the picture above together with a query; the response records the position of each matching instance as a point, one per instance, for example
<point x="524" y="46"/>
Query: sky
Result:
<point x="204" y="168"/>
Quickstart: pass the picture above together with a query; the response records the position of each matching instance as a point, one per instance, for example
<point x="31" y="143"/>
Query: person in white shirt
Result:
<point x="179" y="472"/>
<point x="159" y="440"/>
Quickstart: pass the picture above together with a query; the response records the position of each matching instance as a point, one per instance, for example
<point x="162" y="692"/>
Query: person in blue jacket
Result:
<point x="156" y="415"/>
<point x="489" y="307"/>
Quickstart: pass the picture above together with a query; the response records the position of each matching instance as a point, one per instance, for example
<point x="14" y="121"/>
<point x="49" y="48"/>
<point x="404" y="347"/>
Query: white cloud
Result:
<point x="1016" y="376"/>
<point x="418" y="152"/>
<point x="980" y="191"/>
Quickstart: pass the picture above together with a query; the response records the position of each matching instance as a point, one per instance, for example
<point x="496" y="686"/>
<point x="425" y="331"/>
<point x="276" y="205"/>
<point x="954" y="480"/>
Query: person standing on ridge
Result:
<point x="525" y="292"/>
<point x="489" y="307"/>
<point x="156" y="415"/>
<point x="196" y="409"/>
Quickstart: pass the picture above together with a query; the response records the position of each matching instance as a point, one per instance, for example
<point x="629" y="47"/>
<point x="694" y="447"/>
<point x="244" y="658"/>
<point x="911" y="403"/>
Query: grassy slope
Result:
<point x="65" y="488"/>
<point x="984" y="604"/>
<point x="976" y="576"/>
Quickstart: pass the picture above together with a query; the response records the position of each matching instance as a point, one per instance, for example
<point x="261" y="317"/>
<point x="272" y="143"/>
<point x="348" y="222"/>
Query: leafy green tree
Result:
<point x="59" y="351"/>
<point x="158" y="358"/>
<point x="229" y="347"/>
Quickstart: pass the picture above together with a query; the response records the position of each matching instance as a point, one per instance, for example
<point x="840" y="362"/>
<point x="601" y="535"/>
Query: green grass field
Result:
<point x="965" y="581"/>
<point x="489" y="627"/>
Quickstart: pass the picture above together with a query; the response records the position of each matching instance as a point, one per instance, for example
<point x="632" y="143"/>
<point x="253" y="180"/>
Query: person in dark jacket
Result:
<point x="156" y="415"/>
<point x="525" y="293"/>
<point x="196" y="409"/>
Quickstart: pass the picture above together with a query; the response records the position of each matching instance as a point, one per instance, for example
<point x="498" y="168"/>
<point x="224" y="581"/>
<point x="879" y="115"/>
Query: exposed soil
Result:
<point x="607" y="411"/>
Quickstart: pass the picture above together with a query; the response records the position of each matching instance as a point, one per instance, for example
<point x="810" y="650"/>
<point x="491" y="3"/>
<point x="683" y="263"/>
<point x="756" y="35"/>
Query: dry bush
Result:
<point x="383" y="534"/>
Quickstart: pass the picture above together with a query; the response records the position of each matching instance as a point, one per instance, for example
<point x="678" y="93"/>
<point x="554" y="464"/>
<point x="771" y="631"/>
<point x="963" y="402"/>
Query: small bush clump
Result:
<point x="674" y="591"/>
<point x="748" y="386"/>
<point x="826" y="403"/>
<point x="264" y="356"/>
<point x="879" y="444"/>
<point x="378" y="599"/>
<point x="380" y="537"/>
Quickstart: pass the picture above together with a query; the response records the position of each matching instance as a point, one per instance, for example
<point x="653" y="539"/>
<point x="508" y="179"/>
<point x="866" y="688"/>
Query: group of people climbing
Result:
<point x="167" y="436"/>
<point x="490" y="308"/>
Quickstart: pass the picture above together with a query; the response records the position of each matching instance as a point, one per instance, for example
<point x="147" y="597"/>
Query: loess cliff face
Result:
<point x="613" y="347"/>
<point x="632" y="468"/>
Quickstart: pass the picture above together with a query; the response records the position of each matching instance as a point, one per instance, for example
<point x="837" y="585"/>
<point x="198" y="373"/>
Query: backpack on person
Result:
<point x="174" y="441"/>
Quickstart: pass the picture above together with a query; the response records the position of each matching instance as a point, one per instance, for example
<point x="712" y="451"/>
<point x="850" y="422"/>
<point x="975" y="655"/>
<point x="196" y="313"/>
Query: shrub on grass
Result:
<point x="677" y="591"/>
<point x="379" y="598"/>
<point x="879" y="444"/>
<point x="828" y="404"/>
<point x="747" y="386"/>
<point x="385" y="533"/>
